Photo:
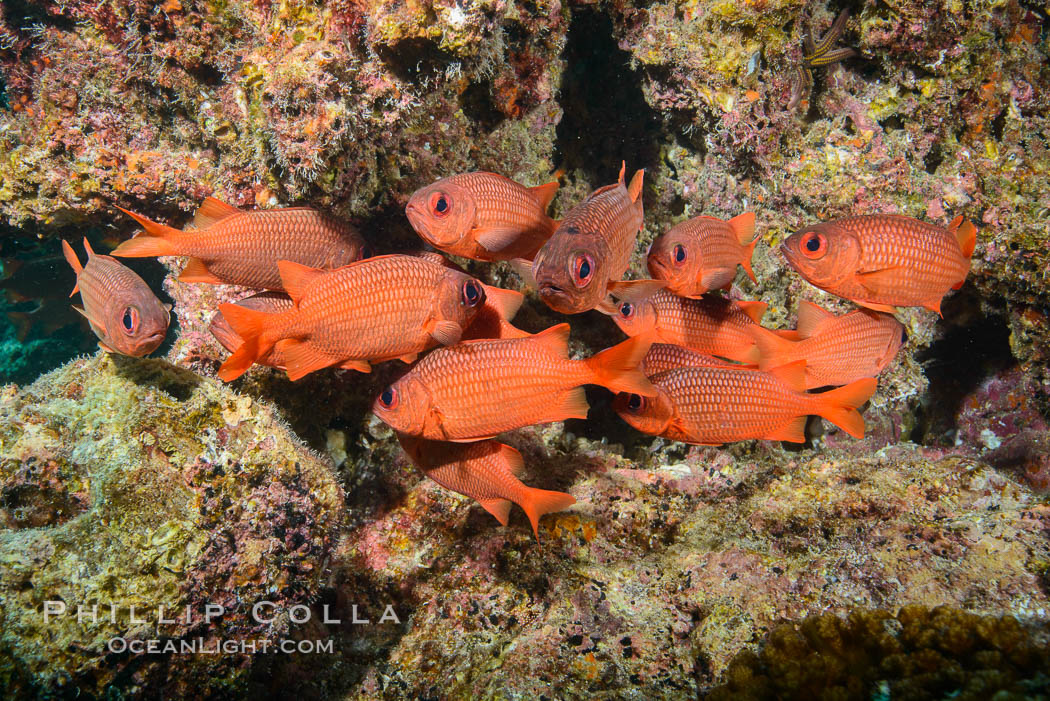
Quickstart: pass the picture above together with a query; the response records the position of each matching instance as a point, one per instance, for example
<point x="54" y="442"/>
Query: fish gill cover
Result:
<point x="148" y="483"/>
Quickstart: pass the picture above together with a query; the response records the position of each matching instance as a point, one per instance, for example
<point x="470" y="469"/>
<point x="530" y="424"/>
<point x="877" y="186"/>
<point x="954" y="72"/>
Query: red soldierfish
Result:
<point x="486" y="472"/>
<point x="837" y="350"/>
<point x="701" y="254"/>
<point x="585" y="259"/>
<point x="366" y="312"/>
<point x="483" y="216"/>
<point x="122" y="310"/>
<point x="712" y="406"/>
<point x="884" y="261"/>
<point x="479" y="389"/>
<point x="231" y="246"/>
<point x="711" y="325"/>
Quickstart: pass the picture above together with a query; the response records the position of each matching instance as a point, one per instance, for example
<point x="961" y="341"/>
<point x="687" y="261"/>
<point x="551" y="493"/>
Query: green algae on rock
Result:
<point x="132" y="483"/>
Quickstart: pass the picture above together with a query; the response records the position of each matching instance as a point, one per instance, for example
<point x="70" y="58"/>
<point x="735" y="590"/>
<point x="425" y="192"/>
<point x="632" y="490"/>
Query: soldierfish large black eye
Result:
<point x="627" y="310"/>
<point x="813" y="245"/>
<point x="634" y="402"/>
<point x="388" y="398"/>
<point x="679" y="254"/>
<point x="472" y="293"/>
<point x="129" y="320"/>
<point x="582" y="269"/>
<point x="440" y="204"/>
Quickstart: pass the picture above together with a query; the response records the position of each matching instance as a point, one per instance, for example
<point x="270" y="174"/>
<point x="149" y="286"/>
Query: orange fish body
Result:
<point x="122" y="310"/>
<point x="711" y="325"/>
<point x="479" y="389"/>
<point x="367" y="312"/>
<point x="589" y="253"/>
<point x="837" y="350"/>
<point x="712" y="406"/>
<point x="701" y="254"/>
<point x="487" y="472"/>
<point x="884" y="261"/>
<point x="231" y="246"/>
<point x="665" y="356"/>
<point x="268" y="302"/>
<point x="483" y="216"/>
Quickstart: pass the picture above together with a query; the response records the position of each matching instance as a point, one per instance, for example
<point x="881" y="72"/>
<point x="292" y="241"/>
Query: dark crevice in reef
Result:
<point x="972" y="347"/>
<point x="607" y="119"/>
<point x="478" y="105"/>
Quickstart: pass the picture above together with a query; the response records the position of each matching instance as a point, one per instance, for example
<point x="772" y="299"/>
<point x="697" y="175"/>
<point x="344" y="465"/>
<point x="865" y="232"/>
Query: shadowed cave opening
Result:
<point x="607" y="119"/>
<point x="972" y="346"/>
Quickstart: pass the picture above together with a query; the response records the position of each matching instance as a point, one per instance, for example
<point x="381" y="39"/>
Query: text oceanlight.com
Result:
<point x="200" y="646"/>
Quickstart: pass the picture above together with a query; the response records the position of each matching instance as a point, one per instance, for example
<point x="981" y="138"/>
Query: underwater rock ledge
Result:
<point x="136" y="483"/>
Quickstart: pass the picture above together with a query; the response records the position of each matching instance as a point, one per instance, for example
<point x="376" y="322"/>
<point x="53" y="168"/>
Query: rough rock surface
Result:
<point x="133" y="483"/>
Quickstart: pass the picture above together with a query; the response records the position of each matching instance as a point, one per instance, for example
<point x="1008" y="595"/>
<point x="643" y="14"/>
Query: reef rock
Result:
<point x="144" y="498"/>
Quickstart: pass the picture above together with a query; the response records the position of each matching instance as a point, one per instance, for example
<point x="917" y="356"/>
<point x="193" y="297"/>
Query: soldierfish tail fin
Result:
<point x="160" y="239"/>
<point x="253" y="327"/>
<point x="839" y="406"/>
<point x="965" y="233"/>
<point x="619" y="368"/>
<point x="74" y="262"/>
<point x="773" y="350"/>
<point x="537" y="502"/>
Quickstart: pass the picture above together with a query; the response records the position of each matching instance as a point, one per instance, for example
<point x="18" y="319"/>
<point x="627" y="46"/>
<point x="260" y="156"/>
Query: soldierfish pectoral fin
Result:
<point x="496" y="238"/>
<point x="106" y="348"/>
<point x="445" y="332"/>
<point x="197" y="271"/>
<point x="94" y="323"/>
<point x="717" y="278"/>
<point x="876" y="280"/>
<point x="607" y="306"/>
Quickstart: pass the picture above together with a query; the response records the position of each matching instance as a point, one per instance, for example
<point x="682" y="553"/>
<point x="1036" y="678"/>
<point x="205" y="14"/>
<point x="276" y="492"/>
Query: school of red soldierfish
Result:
<point x="696" y="368"/>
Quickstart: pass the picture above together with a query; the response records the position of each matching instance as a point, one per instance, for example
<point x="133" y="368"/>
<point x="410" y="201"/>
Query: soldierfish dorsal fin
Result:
<point x="965" y="233"/>
<point x="555" y="340"/>
<point x="545" y="193"/>
<point x="74" y="262"/>
<point x="623" y="172"/>
<point x="296" y="278"/>
<point x="211" y="211"/>
<point x="793" y="375"/>
<point x="810" y="318"/>
<point x="753" y="310"/>
<point x="87" y="247"/>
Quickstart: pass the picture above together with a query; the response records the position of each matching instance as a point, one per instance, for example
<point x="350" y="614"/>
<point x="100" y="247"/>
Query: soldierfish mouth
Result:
<point x="557" y="299"/>
<point x="788" y="254"/>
